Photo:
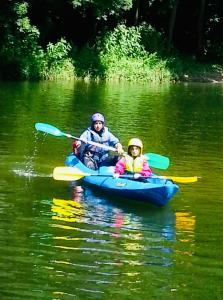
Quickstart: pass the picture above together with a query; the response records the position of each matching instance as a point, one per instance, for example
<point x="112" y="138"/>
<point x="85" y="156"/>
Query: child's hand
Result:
<point x="136" y="175"/>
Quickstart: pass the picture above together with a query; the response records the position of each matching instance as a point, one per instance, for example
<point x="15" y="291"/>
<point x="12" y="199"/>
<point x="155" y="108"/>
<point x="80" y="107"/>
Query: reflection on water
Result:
<point x="114" y="241"/>
<point x="108" y="241"/>
<point x="135" y="231"/>
<point x="67" y="210"/>
<point x="185" y="229"/>
<point x="63" y="243"/>
<point x="185" y="222"/>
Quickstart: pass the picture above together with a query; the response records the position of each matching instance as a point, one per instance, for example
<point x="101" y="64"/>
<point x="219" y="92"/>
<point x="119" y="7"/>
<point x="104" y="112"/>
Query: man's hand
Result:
<point x="119" y="148"/>
<point x="88" y="154"/>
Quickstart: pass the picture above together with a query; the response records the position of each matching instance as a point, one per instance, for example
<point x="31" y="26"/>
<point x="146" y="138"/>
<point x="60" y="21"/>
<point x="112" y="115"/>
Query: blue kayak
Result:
<point x="153" y="190"/>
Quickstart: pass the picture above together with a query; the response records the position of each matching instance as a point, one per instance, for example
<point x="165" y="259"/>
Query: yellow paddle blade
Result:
<point x="182" y="179"/>
<point x="68" y="173"/>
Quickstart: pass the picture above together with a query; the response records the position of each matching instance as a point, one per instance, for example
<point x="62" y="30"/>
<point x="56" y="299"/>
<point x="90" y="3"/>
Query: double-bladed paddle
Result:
<point x="155" y="160"/>
<point x="73" y="173"/>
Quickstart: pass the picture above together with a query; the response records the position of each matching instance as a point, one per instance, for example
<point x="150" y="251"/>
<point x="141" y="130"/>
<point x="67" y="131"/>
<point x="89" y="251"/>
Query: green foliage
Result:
<point x="56" y="61"/>
<point x="121" y="42"/>
<point x="134" y="69"/>
<point x="124" y="53"/>
<point x="23" y="58"/>
<point x="21" y="8"/>
<point x="20" y="46"/>
<point x="102" y="9"/>
<point x="151" y="39"/>
<point x="120" y="55"/>
<point x="123" y="56"/>
<point x="87" y="63"/>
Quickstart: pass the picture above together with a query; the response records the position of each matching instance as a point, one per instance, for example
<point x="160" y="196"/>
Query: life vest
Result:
<point x="96" y="152"/>
<point x="95" y="137"/>
<point x="134" y="165"/>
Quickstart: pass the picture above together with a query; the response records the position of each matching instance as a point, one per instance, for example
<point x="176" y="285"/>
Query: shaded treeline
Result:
<point x="41" y="37"/>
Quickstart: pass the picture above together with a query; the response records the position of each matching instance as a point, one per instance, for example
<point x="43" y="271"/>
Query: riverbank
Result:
<point x="203" y="73"/>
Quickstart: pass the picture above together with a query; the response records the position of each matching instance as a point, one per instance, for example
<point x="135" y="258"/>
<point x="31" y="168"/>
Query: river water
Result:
<point x="57" y="243"/>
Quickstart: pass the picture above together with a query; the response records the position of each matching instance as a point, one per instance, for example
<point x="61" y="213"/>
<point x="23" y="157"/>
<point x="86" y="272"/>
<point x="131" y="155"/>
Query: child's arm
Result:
<point x="146" y="171"/>
<point x="120" y="166"/>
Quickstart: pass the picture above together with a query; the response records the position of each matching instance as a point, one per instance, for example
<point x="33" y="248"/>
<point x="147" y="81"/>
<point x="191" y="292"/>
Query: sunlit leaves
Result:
<point x="102" y="9"/>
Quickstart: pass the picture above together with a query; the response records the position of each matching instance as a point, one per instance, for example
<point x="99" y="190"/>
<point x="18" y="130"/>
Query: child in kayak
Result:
<point x="133" y="162"/>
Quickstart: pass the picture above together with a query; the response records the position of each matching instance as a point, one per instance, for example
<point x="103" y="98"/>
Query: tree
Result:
<point x="200" y="28"/>
<point x="172" y="24"/>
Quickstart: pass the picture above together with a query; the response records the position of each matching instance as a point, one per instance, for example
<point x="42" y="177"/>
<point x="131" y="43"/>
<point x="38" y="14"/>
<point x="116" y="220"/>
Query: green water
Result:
<point x="59" y="244"/>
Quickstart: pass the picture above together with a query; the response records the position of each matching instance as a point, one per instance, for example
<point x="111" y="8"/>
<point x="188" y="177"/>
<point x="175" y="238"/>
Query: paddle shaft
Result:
<point x="90" y="142"/>
<point x="172" y="178"/>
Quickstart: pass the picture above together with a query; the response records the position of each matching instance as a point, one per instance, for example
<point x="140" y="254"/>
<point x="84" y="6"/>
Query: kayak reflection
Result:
<point x="105" y="239"/>
<point x="103" y="222"/>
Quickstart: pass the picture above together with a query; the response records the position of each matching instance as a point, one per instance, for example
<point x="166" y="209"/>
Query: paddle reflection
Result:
<point x="107" y="240"/>
<point x="185" y="229"/>
<point x="67" y="210"/>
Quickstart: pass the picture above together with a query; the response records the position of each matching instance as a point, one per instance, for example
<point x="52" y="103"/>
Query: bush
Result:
<point x="56" y="62"/>
<point x="21" y="57"/>
<point x="123" y="56"/>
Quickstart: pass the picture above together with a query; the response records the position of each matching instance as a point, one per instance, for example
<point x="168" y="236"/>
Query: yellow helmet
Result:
<point x="135" y="142"/>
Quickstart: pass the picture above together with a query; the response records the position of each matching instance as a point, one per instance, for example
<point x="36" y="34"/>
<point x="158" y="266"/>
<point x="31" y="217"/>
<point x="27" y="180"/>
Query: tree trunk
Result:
<point x="137" y="12"/>
<point x="200" y="28"/>
<point x="172" y="24"/>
